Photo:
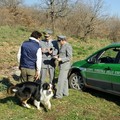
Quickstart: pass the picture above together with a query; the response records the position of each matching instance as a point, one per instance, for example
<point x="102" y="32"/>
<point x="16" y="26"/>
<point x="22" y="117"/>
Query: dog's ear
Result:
<point x="45" y="86"/>
<point x="53" y="86"/>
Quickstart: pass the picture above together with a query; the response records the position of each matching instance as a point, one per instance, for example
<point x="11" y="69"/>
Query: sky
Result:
<point x="112" y="6"/>
<point x="31" y="2"/>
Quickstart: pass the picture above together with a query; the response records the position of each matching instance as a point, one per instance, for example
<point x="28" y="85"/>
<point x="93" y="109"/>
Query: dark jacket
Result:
<point x="28" y="54"/>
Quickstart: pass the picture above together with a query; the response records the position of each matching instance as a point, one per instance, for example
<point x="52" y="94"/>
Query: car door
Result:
<point x="116" y="79"/>
<point x="101" y="73"/>
<point x="96" y="76"/>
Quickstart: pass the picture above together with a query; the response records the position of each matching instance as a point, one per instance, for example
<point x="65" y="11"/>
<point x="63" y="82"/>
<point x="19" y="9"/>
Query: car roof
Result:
<point x="115" y="44"/>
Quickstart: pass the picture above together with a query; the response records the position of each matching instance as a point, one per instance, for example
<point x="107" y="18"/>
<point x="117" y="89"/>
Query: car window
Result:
<point x="117" y="59"/>
<point x="109" y="55"/>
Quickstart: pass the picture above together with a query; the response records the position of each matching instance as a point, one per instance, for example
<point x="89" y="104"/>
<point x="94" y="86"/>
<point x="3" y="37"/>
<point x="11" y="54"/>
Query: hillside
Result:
<point x="90" y="105"/>
<point x="11" y="39"/>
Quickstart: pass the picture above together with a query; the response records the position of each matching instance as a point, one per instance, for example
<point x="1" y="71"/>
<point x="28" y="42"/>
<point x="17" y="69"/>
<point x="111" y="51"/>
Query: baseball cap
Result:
<point x="61" y="37"/>
<point x="48" y="32"/>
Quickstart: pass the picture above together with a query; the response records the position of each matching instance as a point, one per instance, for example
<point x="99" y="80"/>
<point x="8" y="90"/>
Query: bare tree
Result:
<point x="17" y="14"/>
<point x="87" y="15"/>
<point x="56" y="9"/>
<point x="114" y="28"/>
<point x="10" y="3"/>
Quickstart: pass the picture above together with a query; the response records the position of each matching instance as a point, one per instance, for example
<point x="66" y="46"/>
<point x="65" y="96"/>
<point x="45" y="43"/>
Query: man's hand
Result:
<point x="50" y="50"/>
<point x="44" y="50"/>
<point x="55" y="57"/>
<point x="37" y="75"/>
<point x="59" y="59"/>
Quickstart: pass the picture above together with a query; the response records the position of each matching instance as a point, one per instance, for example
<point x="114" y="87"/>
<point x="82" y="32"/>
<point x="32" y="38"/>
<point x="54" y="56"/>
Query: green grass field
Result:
<point x="89" y="105"/>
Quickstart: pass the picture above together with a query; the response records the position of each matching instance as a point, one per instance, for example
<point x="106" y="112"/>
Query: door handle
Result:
<point x="108" y="68"/>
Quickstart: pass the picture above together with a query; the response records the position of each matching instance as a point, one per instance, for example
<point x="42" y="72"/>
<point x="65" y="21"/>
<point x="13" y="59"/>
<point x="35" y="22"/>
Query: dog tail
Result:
<point x="12" y="89"/>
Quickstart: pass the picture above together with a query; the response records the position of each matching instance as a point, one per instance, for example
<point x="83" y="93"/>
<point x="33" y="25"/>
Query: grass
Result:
<point x="89" y="105"/>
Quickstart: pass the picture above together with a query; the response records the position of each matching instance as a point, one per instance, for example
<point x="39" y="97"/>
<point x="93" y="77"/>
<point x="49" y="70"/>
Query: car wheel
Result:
<point x="76" y="82"/>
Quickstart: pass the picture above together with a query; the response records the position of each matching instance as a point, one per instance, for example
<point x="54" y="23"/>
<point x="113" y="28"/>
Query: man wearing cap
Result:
<point x="49" y="50"/>
<point x="64" y="58"/>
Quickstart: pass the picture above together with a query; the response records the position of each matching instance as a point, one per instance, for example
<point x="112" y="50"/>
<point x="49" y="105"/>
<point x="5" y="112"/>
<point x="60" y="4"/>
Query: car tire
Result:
<point x="76" y="82"/>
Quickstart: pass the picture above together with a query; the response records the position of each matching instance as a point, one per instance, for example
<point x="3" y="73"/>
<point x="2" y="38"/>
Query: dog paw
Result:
<point x="39" y="109"/>
<point x="26" y="105"/>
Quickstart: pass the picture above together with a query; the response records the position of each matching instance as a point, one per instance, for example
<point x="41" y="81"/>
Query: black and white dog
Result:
<point x="27" y="90"/>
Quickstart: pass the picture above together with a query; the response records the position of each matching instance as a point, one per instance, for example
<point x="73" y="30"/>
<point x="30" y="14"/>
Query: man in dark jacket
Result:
<point x="30" y="58"/>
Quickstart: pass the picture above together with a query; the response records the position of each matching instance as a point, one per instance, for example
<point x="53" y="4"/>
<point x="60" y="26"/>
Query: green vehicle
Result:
<point x="99" y="71"/>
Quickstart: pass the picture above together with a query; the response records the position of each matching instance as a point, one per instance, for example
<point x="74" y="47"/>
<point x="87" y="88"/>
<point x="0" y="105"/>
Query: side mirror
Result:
<point x="92" y="60"/>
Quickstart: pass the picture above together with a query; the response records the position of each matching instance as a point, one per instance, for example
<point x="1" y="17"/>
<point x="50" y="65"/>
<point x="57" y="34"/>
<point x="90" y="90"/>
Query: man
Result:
<point x="30" y="58"/>
<point x="49" y="50"/>
<point x="64" y="58"/>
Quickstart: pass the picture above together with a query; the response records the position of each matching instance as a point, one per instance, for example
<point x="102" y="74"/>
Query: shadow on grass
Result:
<point x="10" y="98"/>
<point x="16" y="101"/>
<point x="16" y="77"/>
<point x="4" y="84"/>
<point x="106" y="96"/>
